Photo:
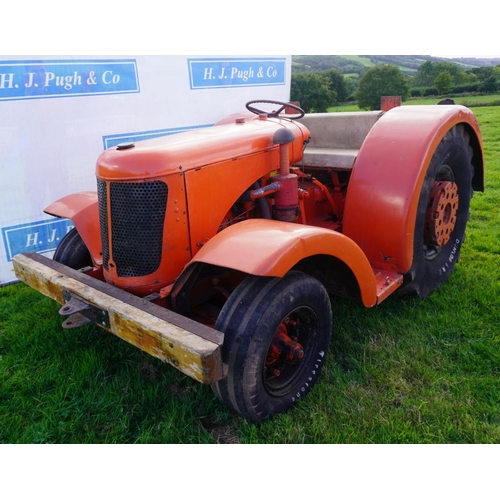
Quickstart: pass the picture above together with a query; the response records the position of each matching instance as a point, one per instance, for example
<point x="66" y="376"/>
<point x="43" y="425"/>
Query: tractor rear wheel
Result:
<point x="443" y="212"/>
<point x="72" y="251"/>
<point x="277" y="333"/>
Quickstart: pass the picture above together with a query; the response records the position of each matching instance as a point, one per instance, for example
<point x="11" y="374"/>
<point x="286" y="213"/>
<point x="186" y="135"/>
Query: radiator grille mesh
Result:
<point x="137" y="221"/>
<point x="102" y="196"/>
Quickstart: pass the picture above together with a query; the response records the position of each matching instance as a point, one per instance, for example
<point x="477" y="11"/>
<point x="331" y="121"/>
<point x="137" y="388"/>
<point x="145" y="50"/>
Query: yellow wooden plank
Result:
<point x="193" y="355"/>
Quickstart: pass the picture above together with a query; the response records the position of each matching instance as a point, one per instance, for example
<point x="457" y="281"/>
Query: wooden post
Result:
<point x="389" y="102"/>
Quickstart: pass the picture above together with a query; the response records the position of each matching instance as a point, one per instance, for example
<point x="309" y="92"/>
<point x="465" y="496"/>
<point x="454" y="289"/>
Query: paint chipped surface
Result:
<point x="190" y="353"/>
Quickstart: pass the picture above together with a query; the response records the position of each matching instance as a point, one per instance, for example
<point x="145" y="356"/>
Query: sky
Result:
<point x="53" y="27"/>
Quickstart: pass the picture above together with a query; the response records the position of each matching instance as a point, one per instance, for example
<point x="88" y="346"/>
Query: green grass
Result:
<point x="407" y="371"/>
<point x="365" y="61"/>
<point x="468" y="100"/>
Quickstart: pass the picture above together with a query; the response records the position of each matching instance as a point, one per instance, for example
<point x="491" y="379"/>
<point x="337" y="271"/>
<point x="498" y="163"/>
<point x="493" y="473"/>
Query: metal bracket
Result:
<point x="81" y="313"/>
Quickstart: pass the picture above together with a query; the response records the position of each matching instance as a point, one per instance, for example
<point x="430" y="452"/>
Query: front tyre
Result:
<point x="443" y="212"/>
<point x="277" y="333"/>
<point x="72" y="251"/>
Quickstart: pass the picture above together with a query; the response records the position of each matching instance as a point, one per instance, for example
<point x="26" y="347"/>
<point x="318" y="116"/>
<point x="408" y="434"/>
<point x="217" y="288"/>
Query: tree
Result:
<point x="483" y="73"/>
<point x="490" y="84"/>
<point x="351" y="82"/>
<point x="312" y="91"/>
<point x="428" y="72"/>
<point x="425" y="74"/>
<point x="443" y="82"/>
<point x="337" y="84"/>
<point x="378" y="81"/>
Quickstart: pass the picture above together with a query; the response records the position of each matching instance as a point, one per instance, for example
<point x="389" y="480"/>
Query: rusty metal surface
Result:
<point x="191" y="347"/>
<point x="81" y="313"/>
<point x="441" y="214"/>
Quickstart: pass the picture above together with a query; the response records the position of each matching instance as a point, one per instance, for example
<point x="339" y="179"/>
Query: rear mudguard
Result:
<point x="83" y="210"/>
<point x="263" y="247"/>
<point x="387" y="178"/>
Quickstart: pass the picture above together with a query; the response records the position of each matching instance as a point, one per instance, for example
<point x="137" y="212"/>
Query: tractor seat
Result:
<point x="336" y="138"/>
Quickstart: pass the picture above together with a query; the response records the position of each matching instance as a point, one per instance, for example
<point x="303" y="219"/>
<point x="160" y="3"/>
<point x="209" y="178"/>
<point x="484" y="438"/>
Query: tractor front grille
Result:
<point x="102" y="196"/>
<point x="137" y="219"/>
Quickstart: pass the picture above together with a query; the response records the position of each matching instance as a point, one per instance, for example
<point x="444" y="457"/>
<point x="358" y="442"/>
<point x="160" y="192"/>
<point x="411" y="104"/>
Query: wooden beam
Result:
<point x="191" y="347"/>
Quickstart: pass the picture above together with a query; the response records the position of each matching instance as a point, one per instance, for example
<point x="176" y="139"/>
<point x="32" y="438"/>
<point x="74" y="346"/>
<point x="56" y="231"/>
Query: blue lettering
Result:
<point x="61" y="78"/>
<point x="41" y="236"/>
<point x="244" y="72"/>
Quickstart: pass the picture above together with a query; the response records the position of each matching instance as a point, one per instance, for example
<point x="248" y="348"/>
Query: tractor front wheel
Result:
<point x="277" y="332"/>
<point x="72" y="251"/>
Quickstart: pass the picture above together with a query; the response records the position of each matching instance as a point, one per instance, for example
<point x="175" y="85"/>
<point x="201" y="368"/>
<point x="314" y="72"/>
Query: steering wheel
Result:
<point x="276" y="113"/>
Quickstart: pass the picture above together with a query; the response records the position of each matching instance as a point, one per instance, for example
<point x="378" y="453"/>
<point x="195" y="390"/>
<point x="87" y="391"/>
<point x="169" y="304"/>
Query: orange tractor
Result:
<point x="217" y="250"/>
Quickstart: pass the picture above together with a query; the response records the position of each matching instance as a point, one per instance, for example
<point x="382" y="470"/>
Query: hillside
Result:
<point x="358" y="64"/>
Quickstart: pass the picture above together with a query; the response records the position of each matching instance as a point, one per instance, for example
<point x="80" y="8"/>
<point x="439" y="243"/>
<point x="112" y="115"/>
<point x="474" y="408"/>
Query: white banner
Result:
<point x="59" y="113"/>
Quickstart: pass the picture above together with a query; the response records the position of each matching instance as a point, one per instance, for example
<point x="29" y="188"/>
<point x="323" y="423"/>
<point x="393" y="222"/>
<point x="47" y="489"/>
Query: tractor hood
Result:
<point x="155" y="158"/>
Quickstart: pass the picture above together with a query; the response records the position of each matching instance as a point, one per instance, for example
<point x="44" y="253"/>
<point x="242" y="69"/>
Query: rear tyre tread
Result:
<point x="426" y="275"/>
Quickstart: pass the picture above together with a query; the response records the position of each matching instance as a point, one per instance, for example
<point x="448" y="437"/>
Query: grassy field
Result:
<point x="470" y="101"/>
<point x="407" y="371"/>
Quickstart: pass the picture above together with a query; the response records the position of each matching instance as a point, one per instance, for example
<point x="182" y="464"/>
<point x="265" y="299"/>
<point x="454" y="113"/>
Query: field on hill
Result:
<point x="356" y="64"/>
<point x="471" y="101"/>
<point x="407" y="371"/>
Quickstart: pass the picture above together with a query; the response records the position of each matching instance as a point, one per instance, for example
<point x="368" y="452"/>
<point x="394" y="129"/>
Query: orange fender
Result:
<point x="83" y="210"/>
<point x="264" y="247"/>
<point x="387" y="178"/>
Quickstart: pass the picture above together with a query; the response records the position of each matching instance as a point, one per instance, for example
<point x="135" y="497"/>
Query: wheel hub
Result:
<point x="283" y="350"/>
<point x="441" y="213"/>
